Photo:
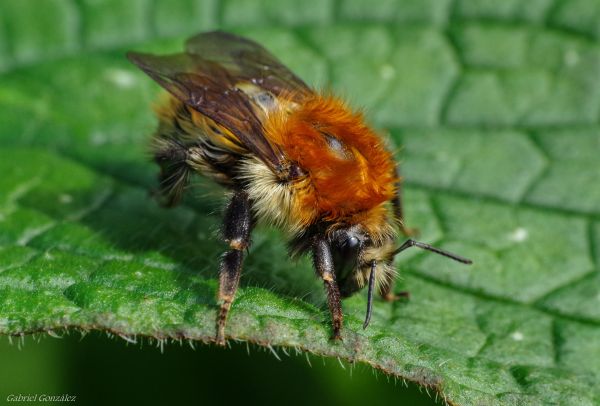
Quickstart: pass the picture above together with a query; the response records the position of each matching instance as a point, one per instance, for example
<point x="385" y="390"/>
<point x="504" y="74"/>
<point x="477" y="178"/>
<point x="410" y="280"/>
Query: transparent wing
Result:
<point x="212" y="89"/>
<point x="248" y="61"/>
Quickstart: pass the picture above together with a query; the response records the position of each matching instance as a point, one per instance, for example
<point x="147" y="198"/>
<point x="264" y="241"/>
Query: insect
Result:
<point x="289" y="156"/>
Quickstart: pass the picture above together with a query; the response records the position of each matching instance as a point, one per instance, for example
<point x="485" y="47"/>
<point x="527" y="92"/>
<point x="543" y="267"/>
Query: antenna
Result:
<point x="413" y="243"/>
<point x="407" y="244"/>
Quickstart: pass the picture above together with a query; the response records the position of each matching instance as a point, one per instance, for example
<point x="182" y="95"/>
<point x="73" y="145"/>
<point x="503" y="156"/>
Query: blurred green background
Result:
<point x="101" y="370"/>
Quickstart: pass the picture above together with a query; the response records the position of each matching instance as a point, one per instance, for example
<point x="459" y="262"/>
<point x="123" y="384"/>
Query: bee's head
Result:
<point x="355" y="252"/>
<point x="361" y="258"/>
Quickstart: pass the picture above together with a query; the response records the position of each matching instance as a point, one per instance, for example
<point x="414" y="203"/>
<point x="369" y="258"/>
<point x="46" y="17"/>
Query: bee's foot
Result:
<point x="220" y="337"/>
<point x="220" y="340"/>
<point x="393" y="297"/>
<point x="337" y="330"/>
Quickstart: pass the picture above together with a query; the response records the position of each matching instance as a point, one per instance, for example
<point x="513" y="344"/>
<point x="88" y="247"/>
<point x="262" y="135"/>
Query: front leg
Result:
<point x="237" y="225"/>
<point x="388" y="295"/>
<point x="323" y="263"/>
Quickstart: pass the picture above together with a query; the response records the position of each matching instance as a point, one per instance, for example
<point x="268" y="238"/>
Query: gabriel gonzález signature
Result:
<point x="40" y="397"/>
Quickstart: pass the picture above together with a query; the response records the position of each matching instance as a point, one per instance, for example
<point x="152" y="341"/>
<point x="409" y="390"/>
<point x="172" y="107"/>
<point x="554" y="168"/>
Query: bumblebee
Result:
<point x="289" y="156"/>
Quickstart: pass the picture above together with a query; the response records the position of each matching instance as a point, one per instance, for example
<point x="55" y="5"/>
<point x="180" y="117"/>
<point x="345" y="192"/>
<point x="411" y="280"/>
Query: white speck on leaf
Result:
<point x="387" y="71"/>
<point x="121" y="78"/>
<point x="571" y="57"/>
<point x="98" y="138"/>
<point x="65" y="198"/>
<point x="519" y="235"/>
<point x="517" y="336"/>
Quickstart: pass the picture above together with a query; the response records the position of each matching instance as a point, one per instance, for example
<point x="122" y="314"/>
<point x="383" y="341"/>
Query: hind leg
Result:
<point x="237" y="225"/>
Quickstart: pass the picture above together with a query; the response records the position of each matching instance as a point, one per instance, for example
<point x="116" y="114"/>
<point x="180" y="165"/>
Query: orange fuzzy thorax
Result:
<point x="350" y="170"/>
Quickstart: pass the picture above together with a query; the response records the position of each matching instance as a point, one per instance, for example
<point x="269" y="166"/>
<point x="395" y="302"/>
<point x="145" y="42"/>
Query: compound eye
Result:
<point x="352" y="242"/>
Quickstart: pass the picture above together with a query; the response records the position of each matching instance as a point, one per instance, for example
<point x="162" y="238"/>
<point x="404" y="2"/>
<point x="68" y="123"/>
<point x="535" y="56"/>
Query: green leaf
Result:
<point x="495" y="104"/>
